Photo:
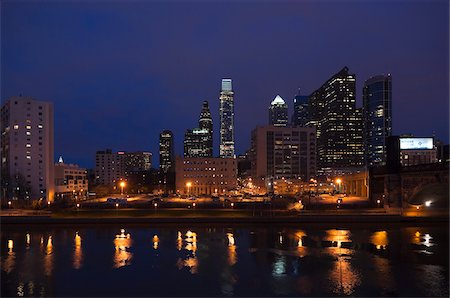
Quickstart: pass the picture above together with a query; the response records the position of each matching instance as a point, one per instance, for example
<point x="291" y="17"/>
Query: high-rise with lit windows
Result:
<point x="27" y="150"/>
<point x="226" y="119"/>
<point x="377" y="109"/>
<point x="332" y="110"/>
<point x="166" y="152"/>
<point x="198" y="142"/>
<point x="278" y="112"/>
<point x="300" y="116"/>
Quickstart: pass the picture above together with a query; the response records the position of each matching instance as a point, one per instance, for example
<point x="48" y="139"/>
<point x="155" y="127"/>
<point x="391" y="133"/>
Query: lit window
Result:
<point x="40" y="126"/>
<point x="28" y="126"/>
<point x="16" y="126"/>
<point x="28" y="145"/>
<point x="28" y="157"/>
<point x="28" y="133"/>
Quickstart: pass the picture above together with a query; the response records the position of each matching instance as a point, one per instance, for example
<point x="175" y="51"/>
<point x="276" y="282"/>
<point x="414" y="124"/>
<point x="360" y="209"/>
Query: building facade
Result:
<point x="198" y="142"/>
<point x="27" y="149"/>
<point x="300" y="116"/>
<point x="377" y="109"/>
<point x="71" y="181"/>
<point x="283" y="152"/>
<point x="278" y="112"/>
<point x="205" y="176"/>
<point x="109" y="167"/>
<point x="409" y="151"/>
<point x="332" y="110"/>
<point x="137" y="161"/>
<point x="226" y="119"/>
<point x="166" y="152"/>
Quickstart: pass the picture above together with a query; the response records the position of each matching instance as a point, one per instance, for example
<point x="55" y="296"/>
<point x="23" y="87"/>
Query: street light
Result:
<point x="188" y="185"/>
<point x="339" y="181"/>
<point x="122" y="185"/>
<point x="9" y="204"/>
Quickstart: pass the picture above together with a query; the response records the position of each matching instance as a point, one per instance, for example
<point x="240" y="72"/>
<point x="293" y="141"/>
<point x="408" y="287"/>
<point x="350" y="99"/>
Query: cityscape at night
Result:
<point x="224" y="148"/>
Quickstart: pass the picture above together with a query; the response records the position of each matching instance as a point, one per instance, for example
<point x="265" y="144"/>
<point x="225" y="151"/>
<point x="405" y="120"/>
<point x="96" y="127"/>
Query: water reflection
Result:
<point x="155" y="241"/>
<point x="27" y="240"/>
<point x="78" y="253"/>
<point x="232" y="256"/>
<point x="191" y="260"/>
<point x="379" y="239"/>
<point x="179" y="241"/>
<point x="122" y="255"/>
<point x="344" y="278"/>
<point x="10" y="260"/>
<point x="48" y="257"/>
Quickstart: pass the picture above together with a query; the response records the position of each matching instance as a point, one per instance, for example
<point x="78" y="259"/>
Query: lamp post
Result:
<point x="9" y="204"/>
<point x="339" y="181"/>
<point x="188" y="185"/>
<point x="122" y="185"/>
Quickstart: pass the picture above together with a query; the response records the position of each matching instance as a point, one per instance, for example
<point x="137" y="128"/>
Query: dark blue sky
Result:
<point x="119" y="72"/>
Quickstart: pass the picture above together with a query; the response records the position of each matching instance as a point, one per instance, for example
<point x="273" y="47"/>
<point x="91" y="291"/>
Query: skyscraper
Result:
<point x="300" y="116"/>
<point x="27" y="149"/>
<point x="332" y="110"/>
<point x="198" y="142"/>
<point x="226" y="119"/>
<point x="377" y="109"/>
<point x="278" y="112"/>
<point x="166" y="151"/>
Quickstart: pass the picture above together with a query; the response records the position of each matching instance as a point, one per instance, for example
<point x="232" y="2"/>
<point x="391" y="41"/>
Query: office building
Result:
<point x="332" y="110"/>
<point x="137" y="161"/>
<point x="226" y="119"/>
<point x="300" y="116"/>
<point x="410" y="151"/>
<point x="377" y="118"/>
<point x="205" y="176"/>
<point x="166" y="152"/>
<point x="27" y="150"/>
<point x="71" y="181"/>
<point x="283" y="152"/>
<point x="198" y="142"/>
<point x="109" y="167"/>
<point x="278" y="112"/>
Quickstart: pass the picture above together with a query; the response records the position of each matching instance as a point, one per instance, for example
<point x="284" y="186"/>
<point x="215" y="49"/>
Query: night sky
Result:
<point x="119" y="72"/>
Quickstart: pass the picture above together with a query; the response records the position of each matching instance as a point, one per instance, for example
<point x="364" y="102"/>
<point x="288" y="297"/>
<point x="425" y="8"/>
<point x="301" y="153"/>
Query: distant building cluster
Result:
<point x="327" y="136"/>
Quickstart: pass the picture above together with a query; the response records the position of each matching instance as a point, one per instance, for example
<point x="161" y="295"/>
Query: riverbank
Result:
<point x="217" y="216"/>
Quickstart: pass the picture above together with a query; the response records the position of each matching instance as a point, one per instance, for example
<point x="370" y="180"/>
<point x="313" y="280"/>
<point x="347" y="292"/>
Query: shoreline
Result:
<point x="306" y="218"/>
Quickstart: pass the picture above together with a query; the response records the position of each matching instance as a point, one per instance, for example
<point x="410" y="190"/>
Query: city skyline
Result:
<point x="104" y="103"/>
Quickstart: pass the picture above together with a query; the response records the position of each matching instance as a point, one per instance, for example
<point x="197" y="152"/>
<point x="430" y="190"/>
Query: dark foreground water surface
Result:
<point x="194" y="260"/>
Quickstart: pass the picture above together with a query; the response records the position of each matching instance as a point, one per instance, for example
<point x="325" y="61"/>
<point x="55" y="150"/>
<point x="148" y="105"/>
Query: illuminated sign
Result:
<point x="416" y="143"/>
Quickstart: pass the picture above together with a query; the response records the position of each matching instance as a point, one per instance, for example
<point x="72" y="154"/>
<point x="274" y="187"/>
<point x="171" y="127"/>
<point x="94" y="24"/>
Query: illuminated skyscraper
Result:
<point x="332" y="110"/>
<point x="278" y="112"/>
<point x="226" y="119"/>
<point x="166" y="151"/>
<point x="377" y="105"/>
<point x="198" y="142"/>
<point x="300" y="116"/>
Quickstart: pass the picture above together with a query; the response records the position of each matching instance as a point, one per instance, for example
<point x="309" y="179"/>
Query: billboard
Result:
<point x="416" y="143"/>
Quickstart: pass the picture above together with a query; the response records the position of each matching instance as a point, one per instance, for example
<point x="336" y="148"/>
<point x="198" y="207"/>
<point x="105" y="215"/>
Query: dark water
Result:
<point x="301" y="260"/>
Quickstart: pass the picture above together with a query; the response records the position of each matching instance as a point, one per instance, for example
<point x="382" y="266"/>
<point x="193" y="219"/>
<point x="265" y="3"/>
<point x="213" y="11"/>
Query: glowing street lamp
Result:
<point x="9" y="204"/>
<point x="188" y="185"/>
<point x="122" y="185"/>
<point x="339" y="181"/>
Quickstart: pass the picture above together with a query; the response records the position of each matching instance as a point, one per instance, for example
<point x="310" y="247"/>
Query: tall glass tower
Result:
<point x="278" y="112"/>
<point x="198" y="142"/>
<point x="226" y="119"/>
<point x="377" y="105"/>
